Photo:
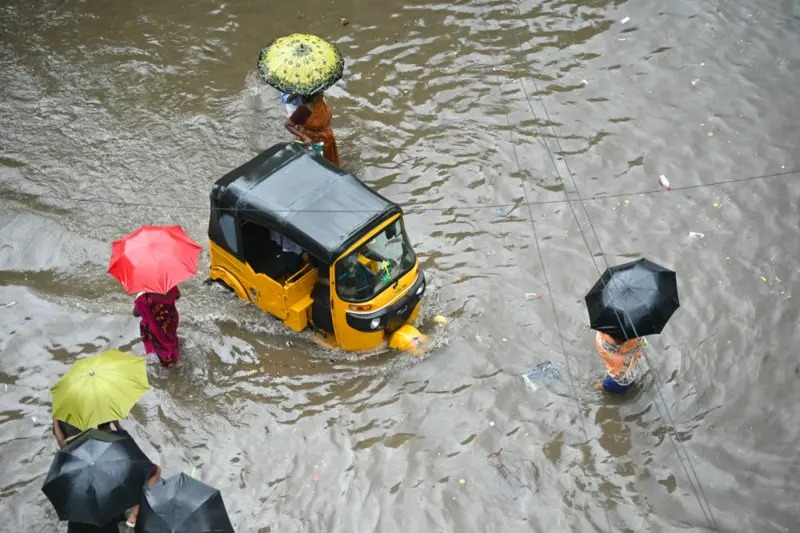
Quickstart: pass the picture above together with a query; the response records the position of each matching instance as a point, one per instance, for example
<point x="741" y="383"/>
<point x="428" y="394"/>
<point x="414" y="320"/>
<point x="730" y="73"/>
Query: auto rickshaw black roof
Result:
<point x="299" y="194"/>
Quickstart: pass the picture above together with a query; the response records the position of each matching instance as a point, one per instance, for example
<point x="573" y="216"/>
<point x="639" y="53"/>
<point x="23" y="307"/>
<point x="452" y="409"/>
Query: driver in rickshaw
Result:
<point x="355" y="280"/>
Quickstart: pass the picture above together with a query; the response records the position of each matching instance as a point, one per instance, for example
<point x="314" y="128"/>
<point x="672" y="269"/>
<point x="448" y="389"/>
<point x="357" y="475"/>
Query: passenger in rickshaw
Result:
<point x="268" y="252"/>
<point x="288" y="259"/>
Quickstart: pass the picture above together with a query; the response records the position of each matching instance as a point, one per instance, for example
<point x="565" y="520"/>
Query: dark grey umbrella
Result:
<point x="633" y="300"/>
<point x="96" y="477"/>
<point x="182" y="504"/>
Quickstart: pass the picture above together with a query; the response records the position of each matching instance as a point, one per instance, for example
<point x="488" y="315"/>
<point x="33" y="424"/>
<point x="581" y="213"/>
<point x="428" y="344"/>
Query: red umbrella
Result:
<point x="153" y="259"/>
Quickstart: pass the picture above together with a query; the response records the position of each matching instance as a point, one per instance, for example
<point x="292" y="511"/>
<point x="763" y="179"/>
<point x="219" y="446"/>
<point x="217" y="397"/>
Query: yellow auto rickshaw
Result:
<point x="312" y="245"/>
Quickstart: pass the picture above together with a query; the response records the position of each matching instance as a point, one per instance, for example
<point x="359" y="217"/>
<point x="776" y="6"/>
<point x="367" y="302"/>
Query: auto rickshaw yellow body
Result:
<point x="313" y="246"/>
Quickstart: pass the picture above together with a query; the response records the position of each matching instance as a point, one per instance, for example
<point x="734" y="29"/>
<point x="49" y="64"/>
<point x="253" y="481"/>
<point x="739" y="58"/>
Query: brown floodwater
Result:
<point x="481" y="118"/>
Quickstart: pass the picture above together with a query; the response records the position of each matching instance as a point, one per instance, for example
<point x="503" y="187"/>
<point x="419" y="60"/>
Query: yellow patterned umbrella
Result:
<point x="301" y="64"/>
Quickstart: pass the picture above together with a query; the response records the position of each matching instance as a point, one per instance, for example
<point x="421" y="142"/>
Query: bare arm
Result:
<point x="155" y="477"/>
<point x="296" y="130"/>
<point x="135" y="312"/>
<point x="61" y="439"/>
<point x="152" y="480"/>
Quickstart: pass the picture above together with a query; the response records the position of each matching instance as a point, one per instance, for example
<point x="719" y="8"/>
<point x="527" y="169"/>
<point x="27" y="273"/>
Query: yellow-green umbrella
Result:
<point x="300" y="63"/>
<point x="99" y="389"/>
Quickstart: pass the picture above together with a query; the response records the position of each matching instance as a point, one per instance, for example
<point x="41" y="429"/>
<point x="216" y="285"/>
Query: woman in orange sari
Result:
<point x="311" y="123"/>
<point x="621" y="357"/>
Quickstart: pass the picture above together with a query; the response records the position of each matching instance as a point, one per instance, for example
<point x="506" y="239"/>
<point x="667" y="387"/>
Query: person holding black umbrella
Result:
<point x="115" y="428"/>
<point x="628" y="302"/>
<point x="183" y="504"/>
<point x="95" y="478"/>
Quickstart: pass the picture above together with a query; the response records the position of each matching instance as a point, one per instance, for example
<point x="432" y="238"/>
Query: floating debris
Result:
<point x="462" y="481"/>
<point x="696" y="235"/>
<point x="514" y="482"/>
<point x="343" y="21"/>
<point x="532" y="296"/>
<point x="625" y="20"/>
<point x="764" y="279"/>
<point x="540" y="375"/>
<point x="664" y="182"/>
<point x="9" y="304"/>
<point x="440" y="320"/>
<point x="716" y="205"/>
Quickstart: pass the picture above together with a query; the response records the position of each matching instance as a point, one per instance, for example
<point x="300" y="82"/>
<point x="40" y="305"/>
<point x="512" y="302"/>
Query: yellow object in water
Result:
<point x="408" y="339"/>
<point x="440" y="320"/>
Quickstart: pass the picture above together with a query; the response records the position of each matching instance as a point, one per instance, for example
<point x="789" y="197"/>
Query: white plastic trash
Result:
<point x="540" y="375"/>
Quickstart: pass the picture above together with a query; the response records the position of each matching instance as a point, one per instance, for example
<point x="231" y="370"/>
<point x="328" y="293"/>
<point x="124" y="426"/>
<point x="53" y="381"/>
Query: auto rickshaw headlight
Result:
<point x="375" y="324"/>
<point x="421" y="289"/>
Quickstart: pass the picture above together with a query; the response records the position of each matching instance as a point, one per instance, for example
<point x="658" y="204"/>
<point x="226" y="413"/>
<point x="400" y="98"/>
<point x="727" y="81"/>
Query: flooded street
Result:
<point x="518" y="137"/>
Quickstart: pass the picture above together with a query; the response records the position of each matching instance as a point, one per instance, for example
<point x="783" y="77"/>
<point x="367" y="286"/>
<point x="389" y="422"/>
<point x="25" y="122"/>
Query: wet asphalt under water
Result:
<point x="481" y="118"/>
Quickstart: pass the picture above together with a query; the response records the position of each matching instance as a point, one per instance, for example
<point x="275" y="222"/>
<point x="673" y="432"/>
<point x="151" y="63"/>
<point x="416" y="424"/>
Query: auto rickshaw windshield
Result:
<point x="366" y="272"/>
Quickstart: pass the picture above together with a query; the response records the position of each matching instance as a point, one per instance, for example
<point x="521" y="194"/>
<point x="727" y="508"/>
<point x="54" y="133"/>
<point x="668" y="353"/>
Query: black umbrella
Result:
<point x="182" y="504"/>
<point x="96" y="477"/>
<point x="633" y="300"/>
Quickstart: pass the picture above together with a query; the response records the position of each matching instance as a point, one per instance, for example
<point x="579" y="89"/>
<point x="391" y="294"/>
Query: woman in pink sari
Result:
<point x="159" y="325"/>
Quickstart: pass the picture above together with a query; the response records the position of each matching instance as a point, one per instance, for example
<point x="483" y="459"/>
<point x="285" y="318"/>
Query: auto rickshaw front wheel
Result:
<point x="407" y="338"/>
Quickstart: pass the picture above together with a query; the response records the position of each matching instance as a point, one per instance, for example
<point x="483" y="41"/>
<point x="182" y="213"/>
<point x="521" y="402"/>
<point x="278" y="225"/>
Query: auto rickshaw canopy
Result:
<point x="299" y="194"/>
